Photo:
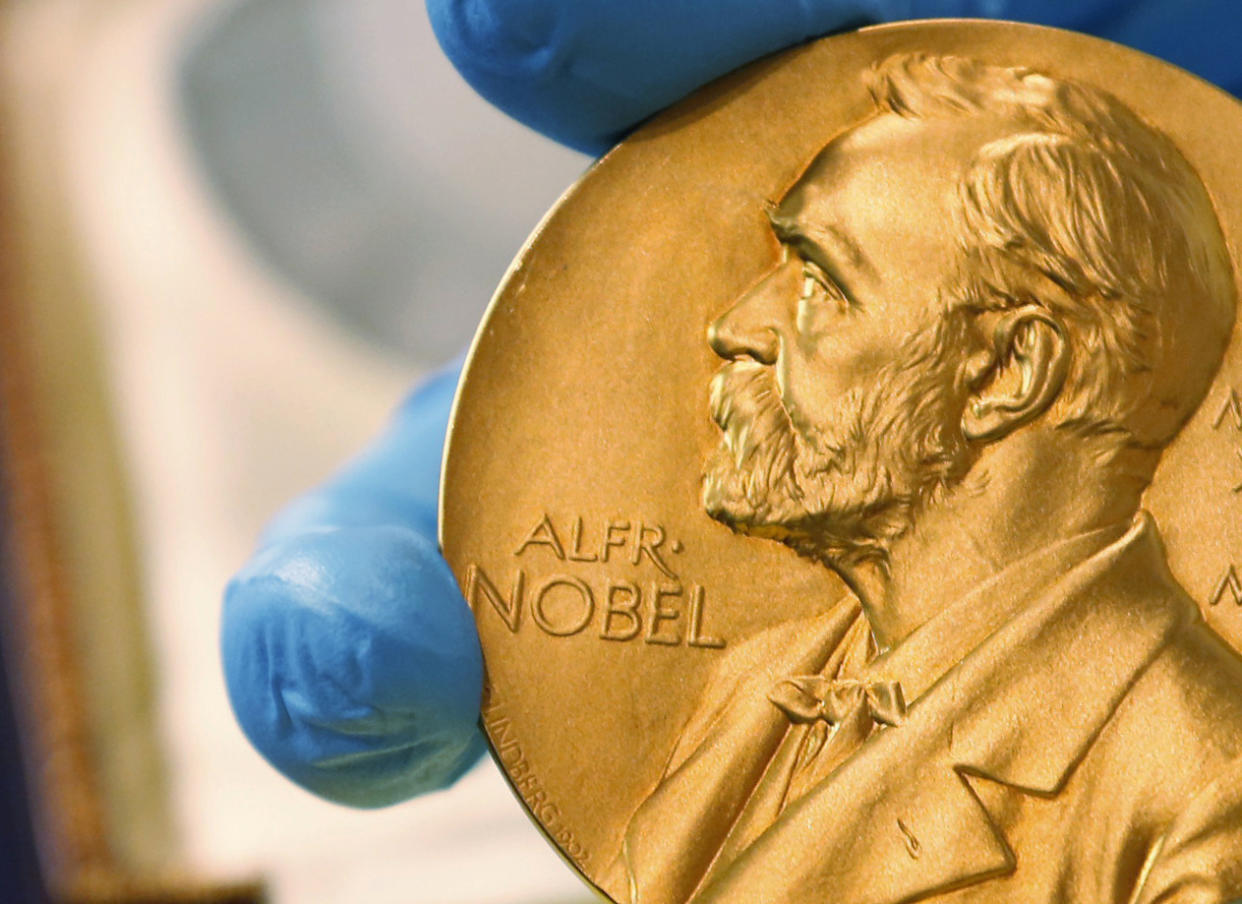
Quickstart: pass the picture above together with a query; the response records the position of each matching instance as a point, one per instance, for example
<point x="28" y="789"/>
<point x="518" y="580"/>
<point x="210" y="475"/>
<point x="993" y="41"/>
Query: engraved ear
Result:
<point x="1028" y="346"/>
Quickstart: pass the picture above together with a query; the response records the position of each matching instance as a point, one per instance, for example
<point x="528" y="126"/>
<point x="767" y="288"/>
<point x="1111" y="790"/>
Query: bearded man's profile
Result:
<point x="997" y="300"/>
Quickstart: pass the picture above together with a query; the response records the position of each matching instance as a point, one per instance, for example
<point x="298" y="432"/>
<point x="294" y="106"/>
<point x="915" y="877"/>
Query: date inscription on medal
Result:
<point x="552" y="587"/>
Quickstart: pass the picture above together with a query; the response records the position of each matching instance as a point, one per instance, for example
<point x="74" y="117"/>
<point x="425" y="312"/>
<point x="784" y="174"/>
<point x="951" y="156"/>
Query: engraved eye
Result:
<point x="814" y="278"/>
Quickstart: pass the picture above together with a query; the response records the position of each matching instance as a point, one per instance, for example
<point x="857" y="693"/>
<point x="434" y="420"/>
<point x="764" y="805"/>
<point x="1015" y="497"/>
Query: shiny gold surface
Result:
<point x="802" y="483"/>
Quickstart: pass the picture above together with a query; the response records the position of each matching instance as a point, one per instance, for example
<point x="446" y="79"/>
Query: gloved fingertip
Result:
<point x="353" y="665"/>
<point x="515" y="40"/>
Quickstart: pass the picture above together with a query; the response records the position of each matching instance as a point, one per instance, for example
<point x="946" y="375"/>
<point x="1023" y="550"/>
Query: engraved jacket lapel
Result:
<point x="900" y="822"/>
<point x="1068" y="661"/>
<point x="720" y="760"/>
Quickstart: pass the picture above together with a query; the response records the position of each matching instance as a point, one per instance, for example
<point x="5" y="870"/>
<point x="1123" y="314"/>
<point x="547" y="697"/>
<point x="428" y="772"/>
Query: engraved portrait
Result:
<point x="996" y="299"/>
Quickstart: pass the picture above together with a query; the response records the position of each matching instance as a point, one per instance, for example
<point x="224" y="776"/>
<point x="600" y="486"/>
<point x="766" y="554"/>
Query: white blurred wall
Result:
<point x="238" y="383"/>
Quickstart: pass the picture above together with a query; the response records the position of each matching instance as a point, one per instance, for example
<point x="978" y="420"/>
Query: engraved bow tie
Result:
<point x="808" y="698"/>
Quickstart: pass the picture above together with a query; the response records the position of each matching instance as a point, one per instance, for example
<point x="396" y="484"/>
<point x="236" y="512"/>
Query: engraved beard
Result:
<point x="844" y="491"/>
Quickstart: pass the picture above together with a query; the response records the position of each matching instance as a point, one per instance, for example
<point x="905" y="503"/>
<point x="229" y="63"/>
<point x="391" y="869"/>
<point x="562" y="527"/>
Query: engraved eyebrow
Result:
<point x="788" y="230"/>
<point x="809" y="245"/>
<point x="846" y="245"/>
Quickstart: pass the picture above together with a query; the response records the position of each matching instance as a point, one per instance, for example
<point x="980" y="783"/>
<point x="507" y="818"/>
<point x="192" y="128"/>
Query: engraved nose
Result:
<point x="752" y="327"/>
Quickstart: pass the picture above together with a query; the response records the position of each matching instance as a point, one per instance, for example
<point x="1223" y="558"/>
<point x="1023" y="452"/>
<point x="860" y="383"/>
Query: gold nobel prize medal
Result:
<point x="847" y="481"/>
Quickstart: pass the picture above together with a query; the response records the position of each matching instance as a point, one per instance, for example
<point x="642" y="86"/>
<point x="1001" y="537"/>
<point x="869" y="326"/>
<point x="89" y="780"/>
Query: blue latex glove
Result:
<point x="350" y="656"/>
<point x="585" y="73"/>
<point x="351" y="659"/>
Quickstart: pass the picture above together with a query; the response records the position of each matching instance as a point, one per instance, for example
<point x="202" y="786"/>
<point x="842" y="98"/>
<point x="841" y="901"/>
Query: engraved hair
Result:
<point x="1106" y="207"/>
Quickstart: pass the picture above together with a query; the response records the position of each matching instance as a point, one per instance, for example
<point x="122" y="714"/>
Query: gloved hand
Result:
<point x="351" y="659"/>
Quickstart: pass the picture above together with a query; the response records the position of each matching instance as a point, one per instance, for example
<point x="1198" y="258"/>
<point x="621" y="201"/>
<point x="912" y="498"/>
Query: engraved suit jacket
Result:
<point x="1089" y="751"/>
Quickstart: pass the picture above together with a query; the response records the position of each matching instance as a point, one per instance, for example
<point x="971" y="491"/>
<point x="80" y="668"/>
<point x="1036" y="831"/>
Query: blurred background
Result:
<point x="232" y="236"/>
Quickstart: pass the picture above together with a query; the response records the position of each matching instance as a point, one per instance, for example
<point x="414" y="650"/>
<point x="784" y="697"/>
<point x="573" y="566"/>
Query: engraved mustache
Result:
<point x="746" y="405"/>
<point x="757" y="439"/>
